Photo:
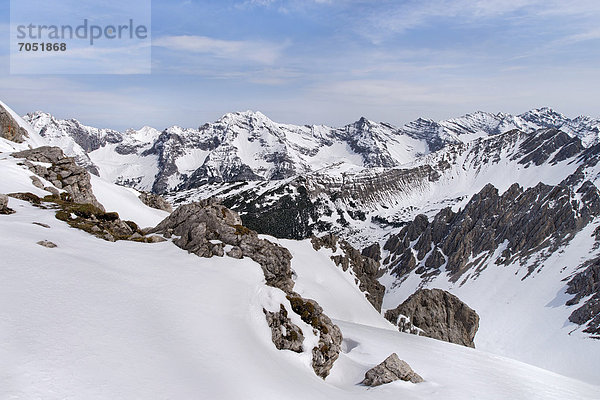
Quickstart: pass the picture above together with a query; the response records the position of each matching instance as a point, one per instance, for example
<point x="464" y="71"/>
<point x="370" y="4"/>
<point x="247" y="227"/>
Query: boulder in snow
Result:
<point x="390" y="370"/>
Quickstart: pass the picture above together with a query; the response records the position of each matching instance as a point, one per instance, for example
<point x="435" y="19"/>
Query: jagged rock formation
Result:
<point x="4" y="208"/>
<point x="439" y="315"/>
<point x="207" y="229"/>
<point x="155" y="201"/>
<point x="586" y="283"/>
<point x="63" y="173"/>
<point x="366" y="269"/>
<point x="390" y="370"/>
<point x="284" y="333"/>
<point x="524" y="220"/>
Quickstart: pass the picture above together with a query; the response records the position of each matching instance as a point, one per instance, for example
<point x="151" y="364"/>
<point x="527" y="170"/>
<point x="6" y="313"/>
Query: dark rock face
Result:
<point x="524" y="219"/>
<point x="390" y="370"/>
<point x="440" y="315"/>
<point x="155" y="201"/>
<point x="63" y="173"/>
<point x="10" y="129"/>
<point x="365" y="268"/>
<point x="583" y="284"/>
<point x="373" y="251"/>
<point x="544" y="143"/>
<point x="285" y="334"/>
<point x="205" y="228"/>
<point x="4" y="209"/>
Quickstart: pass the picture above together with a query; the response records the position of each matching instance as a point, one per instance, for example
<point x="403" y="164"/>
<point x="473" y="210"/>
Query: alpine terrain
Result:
<point x="251" y="259"/>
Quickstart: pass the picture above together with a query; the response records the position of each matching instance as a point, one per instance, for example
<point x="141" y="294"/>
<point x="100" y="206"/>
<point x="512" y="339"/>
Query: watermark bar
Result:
<point x="80" y="37"/>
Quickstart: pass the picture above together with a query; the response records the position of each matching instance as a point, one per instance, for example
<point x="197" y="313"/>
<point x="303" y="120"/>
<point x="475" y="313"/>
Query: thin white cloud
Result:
<point x="238" y="50"/>
<point x="592" y="34"/>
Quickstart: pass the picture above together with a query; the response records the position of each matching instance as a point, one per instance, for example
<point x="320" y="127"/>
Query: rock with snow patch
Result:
<point x="284" y="333"/>
<point x="155" y="201"/>
<point x="47" y="243"/>
<point x="365" y="268"/>
<point x="63" y="173"/>
<point x="439" y="315"/>
<point x="4" y="209"/>
<point x="390" y="370"/>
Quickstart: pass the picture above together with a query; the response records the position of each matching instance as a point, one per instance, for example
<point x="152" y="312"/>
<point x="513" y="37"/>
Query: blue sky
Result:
<point x="333" y="61"/>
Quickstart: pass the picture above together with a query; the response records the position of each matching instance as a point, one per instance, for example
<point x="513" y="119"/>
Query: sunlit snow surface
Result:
<point x="95" y="320"/>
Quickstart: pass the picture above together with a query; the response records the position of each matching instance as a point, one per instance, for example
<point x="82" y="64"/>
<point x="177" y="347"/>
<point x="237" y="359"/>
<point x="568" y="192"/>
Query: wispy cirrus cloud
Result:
<point x="238" y="50"/>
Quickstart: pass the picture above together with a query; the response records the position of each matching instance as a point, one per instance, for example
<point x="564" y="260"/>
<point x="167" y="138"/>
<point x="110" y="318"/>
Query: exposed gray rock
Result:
<point x="155" y="239"/>
<point x="47" y="243"/>
<point x="155" y="201"/>
<point x="235" y="252"/>
<point x="440" y="315"/>
<point x="41" y="224"/>
<point x="284" y="333"/>
<point x="4" y="209"/>
<point x="197" y="224"/>
<point x="330" y="336"/>
<point x="583" y="284"/>
<point x="365" y="268"/>
<point x="76" y="181"/>
<point x="36" y="182"/>
<point x="390" y="370"/>
<point x="10" y="129"/>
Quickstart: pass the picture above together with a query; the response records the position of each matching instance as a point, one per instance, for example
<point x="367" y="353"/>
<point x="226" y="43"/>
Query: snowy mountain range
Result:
<point x="248" y="146"/>
<point x="502" y="211"/>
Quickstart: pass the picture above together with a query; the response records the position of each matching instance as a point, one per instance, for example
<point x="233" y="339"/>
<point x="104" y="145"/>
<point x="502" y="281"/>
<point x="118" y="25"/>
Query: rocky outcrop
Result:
<point x="390" y="370"/>
<point x="10" y="129"/>
<point x="284" y="333"/>
<point x="439" y="315"/>
<point x="62" y="172"/>
<point x="365" y="268"/>
<point x="330" y="336"/>
<point x="4" y="208"/>
<point x="205" y="228"/>
<point x="208" y="229"/>
<point x="155" y="201"/>
<point x="586" y="283"/>
<point x="47" y="243"/>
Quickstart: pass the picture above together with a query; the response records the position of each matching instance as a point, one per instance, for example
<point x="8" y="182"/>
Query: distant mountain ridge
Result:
<point x="248" y="146"/>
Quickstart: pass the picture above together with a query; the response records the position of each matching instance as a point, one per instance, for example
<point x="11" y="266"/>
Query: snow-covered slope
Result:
<point x="13" y="126"/>
<point x="93" y="319"/>
<point x="523" y="314"/>
<point x="366" y="181"/>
